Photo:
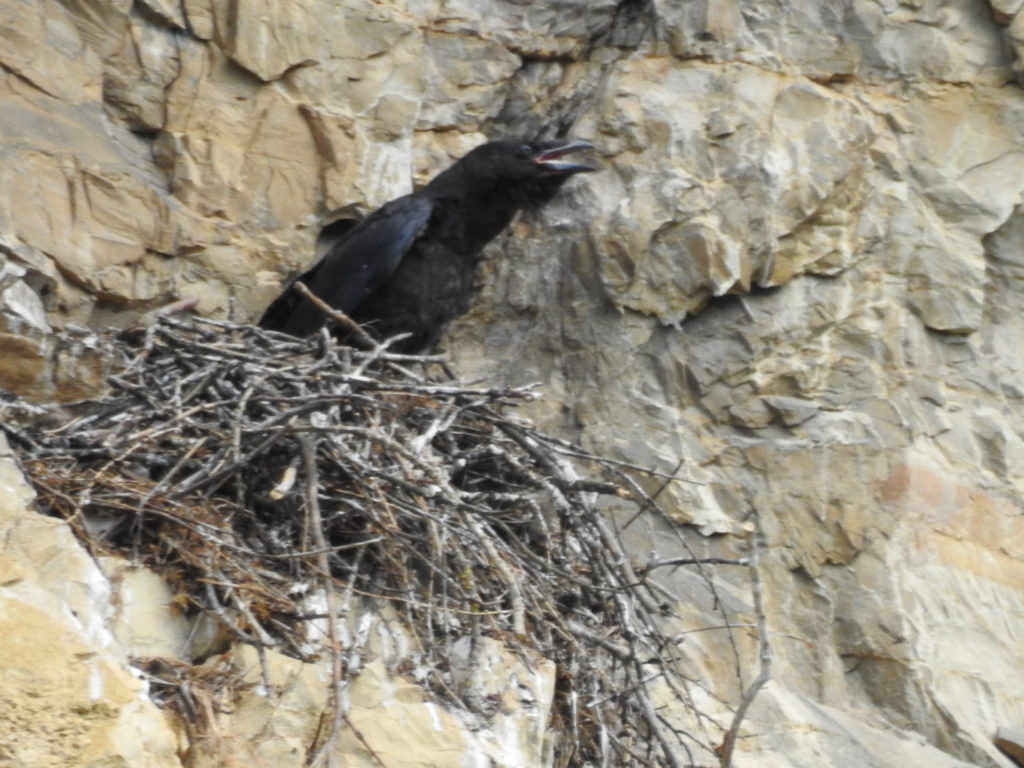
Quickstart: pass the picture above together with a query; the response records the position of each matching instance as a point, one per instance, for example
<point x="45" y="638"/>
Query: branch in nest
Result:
<point x="344" y="320"/>
<point x="416" y="489"/>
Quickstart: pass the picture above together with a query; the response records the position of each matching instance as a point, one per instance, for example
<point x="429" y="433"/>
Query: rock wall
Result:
<point x="796" y="286"/>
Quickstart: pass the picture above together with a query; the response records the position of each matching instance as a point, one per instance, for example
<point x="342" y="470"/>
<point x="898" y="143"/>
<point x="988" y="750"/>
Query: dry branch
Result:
<point x="244" y="464"/>
<point x="764" y="653"/>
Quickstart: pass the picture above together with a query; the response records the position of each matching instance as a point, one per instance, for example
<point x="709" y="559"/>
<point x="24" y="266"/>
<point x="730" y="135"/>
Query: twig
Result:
<point x="351" y="325"/>
<point x="764" y="654"/>
<point x="674" y="561"/>
<point x="179" y="306"/>
<point x="328" y="749"/>
<point x="416" y="489"/>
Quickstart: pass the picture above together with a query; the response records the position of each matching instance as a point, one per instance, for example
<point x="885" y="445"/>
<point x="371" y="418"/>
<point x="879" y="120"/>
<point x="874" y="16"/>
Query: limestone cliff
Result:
<point x="796" y="287"/>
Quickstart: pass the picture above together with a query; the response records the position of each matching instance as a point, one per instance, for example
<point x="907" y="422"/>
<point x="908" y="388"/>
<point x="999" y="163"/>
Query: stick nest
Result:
<point x="252" y="469"/>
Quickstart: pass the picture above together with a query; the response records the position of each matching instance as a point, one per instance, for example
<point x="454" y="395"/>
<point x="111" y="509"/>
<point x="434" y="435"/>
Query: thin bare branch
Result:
<point x="289" y="486"/>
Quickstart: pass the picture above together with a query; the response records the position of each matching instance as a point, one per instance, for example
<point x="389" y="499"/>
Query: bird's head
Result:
<point x="512" y="174"/>
<point x="519" y="160"/>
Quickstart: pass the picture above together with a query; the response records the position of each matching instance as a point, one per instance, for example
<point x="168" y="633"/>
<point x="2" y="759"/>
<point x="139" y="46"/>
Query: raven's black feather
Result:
<point x="408" y="267"/>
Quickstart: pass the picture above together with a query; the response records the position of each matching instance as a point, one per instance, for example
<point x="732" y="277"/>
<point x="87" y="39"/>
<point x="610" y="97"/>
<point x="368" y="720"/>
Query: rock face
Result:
<point x="69" y="697"/>
<point x="795" y="287"/>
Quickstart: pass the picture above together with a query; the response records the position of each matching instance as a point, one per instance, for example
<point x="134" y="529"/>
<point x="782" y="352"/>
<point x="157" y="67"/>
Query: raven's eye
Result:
<point x="525" y="150"/>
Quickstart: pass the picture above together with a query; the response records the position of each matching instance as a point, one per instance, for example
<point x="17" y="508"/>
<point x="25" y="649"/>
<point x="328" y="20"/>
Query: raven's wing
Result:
<point x="354" y="267"/>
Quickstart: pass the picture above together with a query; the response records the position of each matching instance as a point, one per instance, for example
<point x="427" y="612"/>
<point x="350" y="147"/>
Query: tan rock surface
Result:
<point x="67" y="697"/>
<point x="796" y="286"/>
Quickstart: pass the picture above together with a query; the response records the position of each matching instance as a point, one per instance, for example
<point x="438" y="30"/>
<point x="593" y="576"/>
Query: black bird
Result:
<point x="408" y="267"/>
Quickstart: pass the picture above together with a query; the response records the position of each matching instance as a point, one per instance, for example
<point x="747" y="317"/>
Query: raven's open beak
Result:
<point x="550" y="157"/>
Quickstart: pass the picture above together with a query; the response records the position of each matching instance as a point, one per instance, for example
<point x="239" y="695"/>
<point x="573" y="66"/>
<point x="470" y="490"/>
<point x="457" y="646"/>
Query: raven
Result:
<point x="408" y="267"/>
